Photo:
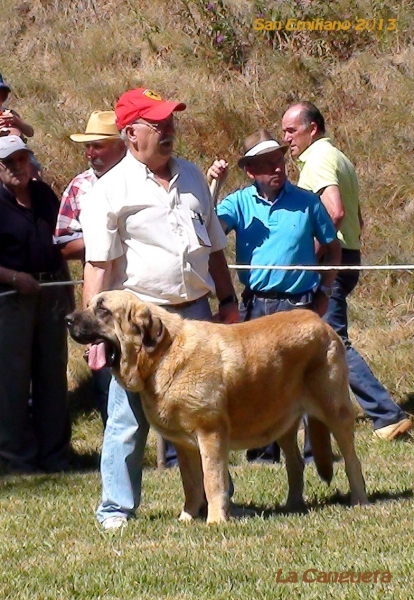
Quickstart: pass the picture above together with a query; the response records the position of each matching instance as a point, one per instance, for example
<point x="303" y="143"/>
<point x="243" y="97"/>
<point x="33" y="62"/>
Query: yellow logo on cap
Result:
<point x="152" y="95"/>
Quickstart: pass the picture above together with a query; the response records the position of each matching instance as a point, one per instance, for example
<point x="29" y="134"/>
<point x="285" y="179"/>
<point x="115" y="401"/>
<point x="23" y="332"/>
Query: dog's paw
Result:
<point x="297" y="506"/>
<point x="213" y="519"/>
<point x="185" y="517"/>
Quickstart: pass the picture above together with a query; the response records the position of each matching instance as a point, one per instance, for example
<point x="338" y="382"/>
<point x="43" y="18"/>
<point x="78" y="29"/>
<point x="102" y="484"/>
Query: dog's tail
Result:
<point x="320" y="439"/>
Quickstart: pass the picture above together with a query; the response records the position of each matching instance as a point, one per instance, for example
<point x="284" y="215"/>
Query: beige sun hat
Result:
<point x="100" y="126"/>
<point x="258" y="143"/>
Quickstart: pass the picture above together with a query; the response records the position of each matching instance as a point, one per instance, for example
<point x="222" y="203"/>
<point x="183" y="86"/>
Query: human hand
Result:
<point x="7" y="119"/>
<point x="320" y="303"/>
<point x="24" y="283"/>
<point x="229" y="313"/>
<point x="218" y="170"/>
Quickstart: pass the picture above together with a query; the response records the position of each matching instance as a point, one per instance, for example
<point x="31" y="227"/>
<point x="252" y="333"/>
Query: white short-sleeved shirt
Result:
<point x="160" y="240"/>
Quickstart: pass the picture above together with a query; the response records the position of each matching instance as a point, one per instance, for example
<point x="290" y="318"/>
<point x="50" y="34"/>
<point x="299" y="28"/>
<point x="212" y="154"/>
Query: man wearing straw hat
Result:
<point x="33" y="341"/>
<point x="103" y="149"/>
<point x="275" y="224"/>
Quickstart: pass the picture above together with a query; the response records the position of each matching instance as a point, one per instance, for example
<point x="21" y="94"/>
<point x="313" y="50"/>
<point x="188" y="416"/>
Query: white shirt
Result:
<point x="159" y="239"/>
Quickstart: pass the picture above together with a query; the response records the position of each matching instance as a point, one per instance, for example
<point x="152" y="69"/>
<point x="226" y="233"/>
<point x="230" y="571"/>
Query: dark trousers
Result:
<point x="255" y="307"/>
<point x="33" y="355"/>
<point x="101" y="381"/>
<point x="372" y="396"/>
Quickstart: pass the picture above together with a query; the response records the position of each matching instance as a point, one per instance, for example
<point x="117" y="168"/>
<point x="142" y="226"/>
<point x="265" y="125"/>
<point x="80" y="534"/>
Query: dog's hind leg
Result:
<point x="192" y="477"/>
<point x="343" y="431"/>
<point x="294" y="466"/>
<point x="214" y="450"/>
<point x="320" y="440"/>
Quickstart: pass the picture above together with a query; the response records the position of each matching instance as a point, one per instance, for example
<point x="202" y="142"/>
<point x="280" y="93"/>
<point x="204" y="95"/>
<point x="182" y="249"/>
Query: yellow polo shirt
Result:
<point x="322" y="165"/>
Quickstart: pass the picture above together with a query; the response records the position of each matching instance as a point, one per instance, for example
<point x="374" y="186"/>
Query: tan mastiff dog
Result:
<point x="210" y="387"/>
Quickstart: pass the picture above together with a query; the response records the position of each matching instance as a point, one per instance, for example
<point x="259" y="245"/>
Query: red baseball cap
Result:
<point x="145" y="104"/>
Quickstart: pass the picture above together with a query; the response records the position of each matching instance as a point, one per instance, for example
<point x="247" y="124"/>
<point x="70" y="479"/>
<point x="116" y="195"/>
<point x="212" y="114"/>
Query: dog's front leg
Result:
<point x="192" y="478"/>
<point x="214" y="450"/>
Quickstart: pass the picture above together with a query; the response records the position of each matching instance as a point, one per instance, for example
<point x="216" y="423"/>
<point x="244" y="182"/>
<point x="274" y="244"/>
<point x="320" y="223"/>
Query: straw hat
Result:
<point x="101" y="126"/>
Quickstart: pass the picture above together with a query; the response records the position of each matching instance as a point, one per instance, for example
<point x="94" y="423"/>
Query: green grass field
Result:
<point x="52" y="548"/>
<point x="65" y="59"/>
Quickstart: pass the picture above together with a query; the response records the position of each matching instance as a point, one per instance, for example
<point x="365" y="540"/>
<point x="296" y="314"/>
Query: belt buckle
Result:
<point x="45" y="277"/>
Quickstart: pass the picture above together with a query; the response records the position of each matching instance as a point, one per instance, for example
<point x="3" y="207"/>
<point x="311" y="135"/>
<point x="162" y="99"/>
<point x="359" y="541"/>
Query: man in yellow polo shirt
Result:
<point x="326" y="171"/>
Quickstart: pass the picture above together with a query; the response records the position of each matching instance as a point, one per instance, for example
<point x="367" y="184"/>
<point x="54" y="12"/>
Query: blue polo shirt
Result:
<point x="278" y="233"/>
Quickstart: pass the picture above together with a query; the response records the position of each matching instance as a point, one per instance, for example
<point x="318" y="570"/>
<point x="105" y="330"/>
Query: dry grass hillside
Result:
<point x="64" y="59"/>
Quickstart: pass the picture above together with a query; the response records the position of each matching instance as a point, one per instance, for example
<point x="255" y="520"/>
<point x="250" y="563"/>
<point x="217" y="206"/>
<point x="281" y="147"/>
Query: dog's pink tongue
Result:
<point x="97" y="356"/>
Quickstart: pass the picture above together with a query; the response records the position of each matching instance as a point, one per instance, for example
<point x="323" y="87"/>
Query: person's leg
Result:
<point x="369" y="392"/>
<point x="271" y="453"/>
<point x="123" y="448"/>
<point x="51" y="421"/>
<point x="18" y="447"/>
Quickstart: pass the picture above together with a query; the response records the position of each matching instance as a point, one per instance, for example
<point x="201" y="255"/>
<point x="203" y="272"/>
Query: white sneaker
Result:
<point x="114" y="522"/>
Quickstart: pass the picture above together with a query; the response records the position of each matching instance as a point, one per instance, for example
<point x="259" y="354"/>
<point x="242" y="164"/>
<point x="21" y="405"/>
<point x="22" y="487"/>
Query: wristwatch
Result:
<point x="228" y="300"/>
<point x="326" y="290"/>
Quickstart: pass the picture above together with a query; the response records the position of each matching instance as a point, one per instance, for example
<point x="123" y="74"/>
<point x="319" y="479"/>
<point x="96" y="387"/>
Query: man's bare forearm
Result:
<point x="96" y="278"/>
<point x="220" y="273"/>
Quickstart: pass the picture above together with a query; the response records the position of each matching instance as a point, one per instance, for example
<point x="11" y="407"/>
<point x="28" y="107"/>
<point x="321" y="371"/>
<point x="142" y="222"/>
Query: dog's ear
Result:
<point x="153" y="333"/>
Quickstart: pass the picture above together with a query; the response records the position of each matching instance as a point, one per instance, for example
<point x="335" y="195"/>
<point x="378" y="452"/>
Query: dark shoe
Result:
<point x="269" y="454"/>
<point x="307" y="458"/>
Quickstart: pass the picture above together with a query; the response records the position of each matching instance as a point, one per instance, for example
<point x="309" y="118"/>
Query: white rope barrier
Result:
<point x="270" y="268"/>
<point x="326" y="267"/>
<point x="48" y="284"/>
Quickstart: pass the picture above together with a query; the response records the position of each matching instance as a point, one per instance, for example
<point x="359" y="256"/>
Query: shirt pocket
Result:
<point x="200" y="229"/>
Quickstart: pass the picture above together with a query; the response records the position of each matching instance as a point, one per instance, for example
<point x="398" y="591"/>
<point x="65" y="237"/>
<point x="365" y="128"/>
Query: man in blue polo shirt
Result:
<point x="276" y="223"/>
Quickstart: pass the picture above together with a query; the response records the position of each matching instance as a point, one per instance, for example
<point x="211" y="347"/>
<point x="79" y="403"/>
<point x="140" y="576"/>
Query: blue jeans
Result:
<point x="125" y="437"/>
<point x="372" y="396"/>
<point x="259" y="307"/>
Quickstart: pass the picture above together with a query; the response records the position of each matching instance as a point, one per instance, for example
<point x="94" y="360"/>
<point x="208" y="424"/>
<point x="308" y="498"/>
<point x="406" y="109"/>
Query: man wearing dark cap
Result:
<point x="33" y="349"/>
<point x="275" y="224"/>
<point x="149" y="227"/>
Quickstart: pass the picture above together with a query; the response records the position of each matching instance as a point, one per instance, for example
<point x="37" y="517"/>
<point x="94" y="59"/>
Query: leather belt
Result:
<point x="278" y="295"/>
<point x="45" y="276"/>
<point x="185" y="304"/>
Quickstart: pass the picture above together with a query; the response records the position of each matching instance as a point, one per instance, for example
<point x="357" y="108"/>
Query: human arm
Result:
<point x="68" y="233"/>
<point x="11" y="119"/>
<point x="74" y="250"/>
<point x="22" y="282"/>
<point x="360" y="219"/>
<point x="332" y="256"/>
<point x="219" y="271"/>
<point x="96" y="278"/>
<point x="218" y="170"/>
<point x="332" y="201"/>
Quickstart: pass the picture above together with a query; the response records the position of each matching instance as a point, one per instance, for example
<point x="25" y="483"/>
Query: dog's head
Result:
<point x="123" y="333"/>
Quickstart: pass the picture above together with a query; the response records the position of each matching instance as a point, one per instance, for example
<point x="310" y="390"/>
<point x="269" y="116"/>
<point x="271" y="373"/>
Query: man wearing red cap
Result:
<point x="149" y="227"/>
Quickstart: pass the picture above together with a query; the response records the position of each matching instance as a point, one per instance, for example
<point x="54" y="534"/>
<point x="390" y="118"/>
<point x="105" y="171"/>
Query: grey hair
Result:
<point x="123" y="135"/>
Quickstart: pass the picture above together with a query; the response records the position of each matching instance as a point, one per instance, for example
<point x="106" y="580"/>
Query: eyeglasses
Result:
<point x="159" y="127"/>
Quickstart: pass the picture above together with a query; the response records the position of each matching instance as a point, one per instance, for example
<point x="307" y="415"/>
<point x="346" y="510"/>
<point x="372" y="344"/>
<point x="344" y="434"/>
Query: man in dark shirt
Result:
<point x="33" y="347"/>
